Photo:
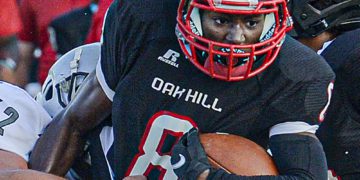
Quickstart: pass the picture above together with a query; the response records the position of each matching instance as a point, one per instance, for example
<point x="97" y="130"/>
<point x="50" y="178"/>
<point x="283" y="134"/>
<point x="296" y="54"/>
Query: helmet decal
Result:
<point x="65" y="77"/>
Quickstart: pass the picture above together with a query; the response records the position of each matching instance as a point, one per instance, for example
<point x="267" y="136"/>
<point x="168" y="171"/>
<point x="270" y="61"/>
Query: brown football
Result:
<point x="237" y="155"/>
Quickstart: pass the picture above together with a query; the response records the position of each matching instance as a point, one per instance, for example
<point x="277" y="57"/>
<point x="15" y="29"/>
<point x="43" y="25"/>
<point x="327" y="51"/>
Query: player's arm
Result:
<point x="22" y="174"/>
<point x="10" y="160"/>
<point x="64" y="138"/>
<point x="14" y="167"/>
<point x="297" y="156"/>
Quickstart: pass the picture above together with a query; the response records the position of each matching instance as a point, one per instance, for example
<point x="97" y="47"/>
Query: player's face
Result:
<point x="232" y="29"/>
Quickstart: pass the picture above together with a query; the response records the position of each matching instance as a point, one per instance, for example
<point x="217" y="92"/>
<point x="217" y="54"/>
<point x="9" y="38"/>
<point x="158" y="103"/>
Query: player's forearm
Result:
<point x="297" y="156"/>
<point x="220" y="174"/>
<point x="9" y="160"/>
<point x="64" y="138"/>
<point x="26" y="175"/>
<point x="57" y="148"/>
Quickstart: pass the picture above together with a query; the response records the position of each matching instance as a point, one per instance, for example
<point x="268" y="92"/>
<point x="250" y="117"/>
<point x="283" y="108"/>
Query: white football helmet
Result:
<point x="65" y="77"/>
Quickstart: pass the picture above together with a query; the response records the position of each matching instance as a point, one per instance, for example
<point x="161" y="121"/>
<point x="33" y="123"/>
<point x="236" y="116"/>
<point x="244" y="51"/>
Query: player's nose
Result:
<point x="236" y="35"/>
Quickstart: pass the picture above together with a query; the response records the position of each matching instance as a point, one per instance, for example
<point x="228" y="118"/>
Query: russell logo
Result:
<point x="170" y="57"/>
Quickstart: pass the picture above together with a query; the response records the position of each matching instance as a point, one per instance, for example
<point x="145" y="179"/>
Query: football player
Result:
<point x="230" y="68"/>
<point x="60" y="87"/>
<point x="333" y="29"/>
<point x="24" y="120"/>
<point x="21" y="122"/>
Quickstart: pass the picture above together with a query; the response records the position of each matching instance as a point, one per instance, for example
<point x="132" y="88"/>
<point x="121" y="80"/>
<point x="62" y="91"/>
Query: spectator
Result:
<point x="69" y="30"/>
<point x="97" y="21"/>
<point x="36" y="16"/>
<point x="10" y="26"/>
<point x="22" y="120"/>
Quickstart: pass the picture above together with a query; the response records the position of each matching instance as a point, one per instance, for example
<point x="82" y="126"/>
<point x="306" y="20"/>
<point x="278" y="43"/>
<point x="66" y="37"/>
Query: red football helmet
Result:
<point x="204" y="52"/>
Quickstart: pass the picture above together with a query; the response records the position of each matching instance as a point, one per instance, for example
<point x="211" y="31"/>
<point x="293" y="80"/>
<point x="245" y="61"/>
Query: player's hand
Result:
<point x="188" y="157"/>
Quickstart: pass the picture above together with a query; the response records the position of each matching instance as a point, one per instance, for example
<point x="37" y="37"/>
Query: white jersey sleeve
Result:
<point x="22" y="120"/>
<point x="99" y="67"/>
<point x="101" y="78"/>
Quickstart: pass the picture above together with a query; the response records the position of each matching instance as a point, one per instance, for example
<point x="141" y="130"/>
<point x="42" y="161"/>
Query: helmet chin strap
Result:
<point x="74" y="66"/>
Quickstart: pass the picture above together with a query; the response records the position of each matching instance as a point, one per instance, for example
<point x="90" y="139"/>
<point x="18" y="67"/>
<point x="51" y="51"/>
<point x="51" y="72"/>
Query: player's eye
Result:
<point x="252" y="23"/>
<point x="221" y="20"/>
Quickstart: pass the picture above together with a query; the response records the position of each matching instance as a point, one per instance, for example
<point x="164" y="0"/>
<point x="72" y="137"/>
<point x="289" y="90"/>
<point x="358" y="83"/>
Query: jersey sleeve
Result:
<point x="128" y="26"/>
<point x="10" y="19"/>
<point x="343" y="55"/>
<point x="303" y="90"/>
<point x="301" y="108"/>
<point x="28" y="32"/>
<point x="352" y="67"/>
<point x="22" y="120"/>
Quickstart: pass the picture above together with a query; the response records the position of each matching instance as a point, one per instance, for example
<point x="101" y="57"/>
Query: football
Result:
<point x="237" y="155"/>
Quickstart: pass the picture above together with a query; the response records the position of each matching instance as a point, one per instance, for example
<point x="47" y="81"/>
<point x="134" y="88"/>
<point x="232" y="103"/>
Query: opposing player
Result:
<point x="60" y="87"/>
<point x="21" y="122"/>
<point x="231" y="69"/>
<point x="333" y="28"/>
<point x="66" y="76"/>
<point x="24" y="120"/>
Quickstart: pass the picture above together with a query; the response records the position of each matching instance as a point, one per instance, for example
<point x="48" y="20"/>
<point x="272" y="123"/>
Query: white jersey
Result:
<point x="22" y="120"/>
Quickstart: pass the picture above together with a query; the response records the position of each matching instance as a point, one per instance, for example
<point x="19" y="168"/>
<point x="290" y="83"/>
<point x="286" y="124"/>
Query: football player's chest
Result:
<point x="167" y="82"/>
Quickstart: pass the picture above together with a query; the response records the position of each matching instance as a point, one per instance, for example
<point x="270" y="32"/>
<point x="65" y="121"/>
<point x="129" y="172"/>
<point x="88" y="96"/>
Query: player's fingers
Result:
<point x="184" y="139"/>
<point x="193" y="137"/>
<point x="194" y="146"/>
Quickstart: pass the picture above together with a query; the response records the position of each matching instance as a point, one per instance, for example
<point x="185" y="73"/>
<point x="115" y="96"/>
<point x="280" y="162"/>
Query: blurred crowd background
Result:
<point x="35" y="33"/>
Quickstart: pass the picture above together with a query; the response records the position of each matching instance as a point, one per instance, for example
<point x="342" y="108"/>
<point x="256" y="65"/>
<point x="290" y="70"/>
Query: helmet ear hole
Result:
<point x="49" y="93"/>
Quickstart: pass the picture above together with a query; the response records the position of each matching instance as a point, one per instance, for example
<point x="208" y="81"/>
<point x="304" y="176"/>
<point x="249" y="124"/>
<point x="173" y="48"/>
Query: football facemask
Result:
<point x="234" y="61"/>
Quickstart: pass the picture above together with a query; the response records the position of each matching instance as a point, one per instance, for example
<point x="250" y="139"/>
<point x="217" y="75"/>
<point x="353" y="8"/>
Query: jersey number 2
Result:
<point x="13" y="116"/>
<point x="160" y="126"/>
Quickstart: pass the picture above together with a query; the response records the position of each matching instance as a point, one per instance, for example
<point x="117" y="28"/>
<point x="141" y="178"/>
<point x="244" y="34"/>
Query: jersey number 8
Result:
<point x="161" y="125"/>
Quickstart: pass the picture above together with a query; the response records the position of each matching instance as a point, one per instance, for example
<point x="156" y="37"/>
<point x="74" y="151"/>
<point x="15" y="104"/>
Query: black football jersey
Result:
<point x="158" y="95"/>
<point x="340" y="132"/>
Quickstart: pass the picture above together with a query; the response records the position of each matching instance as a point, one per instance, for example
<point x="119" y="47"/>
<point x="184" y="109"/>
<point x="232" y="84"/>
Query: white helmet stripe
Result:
<point x="252" y="6"/>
